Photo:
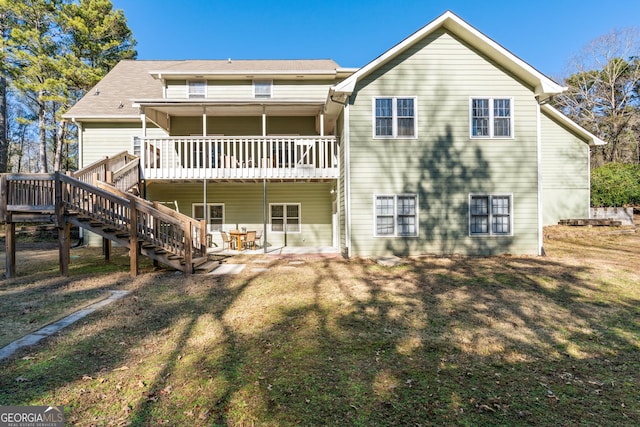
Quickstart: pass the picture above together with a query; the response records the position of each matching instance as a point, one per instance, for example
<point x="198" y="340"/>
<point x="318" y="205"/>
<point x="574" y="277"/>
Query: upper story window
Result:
<point x="394" y="117"/>
<point x="197" y="89"/>
<point x="491" y="117"/>
<point x="262" y="89"/>
<point x="490" y="215"/>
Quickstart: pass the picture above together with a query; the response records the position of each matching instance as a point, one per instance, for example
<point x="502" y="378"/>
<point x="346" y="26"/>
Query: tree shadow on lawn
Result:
<point x="505" y="340"/>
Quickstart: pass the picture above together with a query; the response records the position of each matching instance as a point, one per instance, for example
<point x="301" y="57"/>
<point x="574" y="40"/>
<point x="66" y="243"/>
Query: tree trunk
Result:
<point x="4" y="123"/>
<point x="42" y="123"/>
<point x="62" y="133"/>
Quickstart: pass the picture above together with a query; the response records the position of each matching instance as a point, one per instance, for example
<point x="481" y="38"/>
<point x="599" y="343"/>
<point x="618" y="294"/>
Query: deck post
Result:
<point x="64" y="245"/>
<point x="203" y="237"/>
<point x="10" y="248"/>
<point x="106" y="249"/>
<point x="133" y="238"/>
<point x="188" y="255"/>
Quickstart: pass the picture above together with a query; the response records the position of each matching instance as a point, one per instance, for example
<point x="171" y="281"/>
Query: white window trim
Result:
<point x="491" y="233"/>
<point x="206" y="212"/>
<point x="284" y="231"/>
<point x="395" y="216"/>
<point x="270" y="82"/>
<point x="189" y="93"/>
<point x="394" y="117"/>
<point x="491" y="118"/>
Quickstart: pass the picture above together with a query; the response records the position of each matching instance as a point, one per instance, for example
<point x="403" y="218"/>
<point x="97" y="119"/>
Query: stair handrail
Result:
<point x="167" y="216"/>
<point x="127" y="177"/>
<point x="100" y="168"/>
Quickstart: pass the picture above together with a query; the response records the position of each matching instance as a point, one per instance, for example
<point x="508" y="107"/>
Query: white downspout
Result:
<point x="205" y="209"/>
<point x="540" y="181"/>
<point x="80" y="144"/>
<point x="347" y="179"/>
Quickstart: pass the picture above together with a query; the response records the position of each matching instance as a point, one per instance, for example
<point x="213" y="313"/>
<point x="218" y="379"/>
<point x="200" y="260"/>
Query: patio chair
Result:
<point x="250" y="240"/>
<point x="258" y="238"/>
<point x="226" y="240"/>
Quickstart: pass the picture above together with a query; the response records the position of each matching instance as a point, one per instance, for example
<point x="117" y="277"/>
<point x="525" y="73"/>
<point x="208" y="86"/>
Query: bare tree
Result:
<point x="603" y="93"/>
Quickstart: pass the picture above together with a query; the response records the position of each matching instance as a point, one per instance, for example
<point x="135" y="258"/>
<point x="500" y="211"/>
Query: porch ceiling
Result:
<point x="310" y="108"/>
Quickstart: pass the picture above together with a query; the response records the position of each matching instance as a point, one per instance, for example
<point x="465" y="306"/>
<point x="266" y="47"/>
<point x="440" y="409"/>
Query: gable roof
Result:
<point x="543" y="86"/>
<point x="563" y="120"/>
<point x="129" y="80"/>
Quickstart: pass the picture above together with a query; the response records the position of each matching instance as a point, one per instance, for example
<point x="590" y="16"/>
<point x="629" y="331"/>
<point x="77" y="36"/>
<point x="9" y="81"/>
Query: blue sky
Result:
<point x="544" y="33"/>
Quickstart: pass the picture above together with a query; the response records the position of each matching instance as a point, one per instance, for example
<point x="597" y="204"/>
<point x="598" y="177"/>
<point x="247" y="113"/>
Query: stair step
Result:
<point x="207" y="267"/>
<point x="197" y="261"/>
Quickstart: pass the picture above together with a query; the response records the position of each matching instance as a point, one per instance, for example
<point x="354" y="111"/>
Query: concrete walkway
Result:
<point x="51" y="329"/>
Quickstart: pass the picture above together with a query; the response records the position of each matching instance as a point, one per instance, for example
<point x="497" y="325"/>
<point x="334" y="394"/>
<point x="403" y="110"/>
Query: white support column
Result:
<point x="204" y="121"/>
<point x="143" y="118"/>
<point x="322" y="124"/>
<point x="264" y="121"/>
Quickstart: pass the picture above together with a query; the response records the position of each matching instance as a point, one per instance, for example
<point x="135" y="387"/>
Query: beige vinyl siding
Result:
<point x="243" y="204"/>
<point x="291" y="126"/>
<point x="565" y="173"/>
<point x="243" y="126"/>
<point x="443" y="165"/>
<point x="176" y="89"/>
<point x="287" y="89"/>
<point x="230" y="89"/>
<point x="106" y="139"/>
<point x="243" y="89"/>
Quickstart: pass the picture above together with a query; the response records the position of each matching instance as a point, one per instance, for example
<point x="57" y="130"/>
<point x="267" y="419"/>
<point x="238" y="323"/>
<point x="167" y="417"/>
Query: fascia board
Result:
<point x="543" y="86"/>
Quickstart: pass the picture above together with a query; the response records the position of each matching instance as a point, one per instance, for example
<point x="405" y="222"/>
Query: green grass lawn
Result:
<point x="437" y="341"/>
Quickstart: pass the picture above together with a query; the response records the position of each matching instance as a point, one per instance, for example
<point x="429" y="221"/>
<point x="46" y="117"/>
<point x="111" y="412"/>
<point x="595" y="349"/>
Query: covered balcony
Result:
<point x="238" y="140"/>
<point x="241" y="158"/>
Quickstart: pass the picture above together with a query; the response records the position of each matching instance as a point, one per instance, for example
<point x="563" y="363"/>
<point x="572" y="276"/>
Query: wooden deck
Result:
<point x="101" y="207"/>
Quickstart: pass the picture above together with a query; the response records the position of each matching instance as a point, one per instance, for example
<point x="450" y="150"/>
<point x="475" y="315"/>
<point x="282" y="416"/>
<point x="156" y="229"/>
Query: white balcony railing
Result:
<point x="247" y="157"/>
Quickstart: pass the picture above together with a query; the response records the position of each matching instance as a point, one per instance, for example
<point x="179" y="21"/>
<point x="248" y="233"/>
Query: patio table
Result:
<point x="238" y="235"/>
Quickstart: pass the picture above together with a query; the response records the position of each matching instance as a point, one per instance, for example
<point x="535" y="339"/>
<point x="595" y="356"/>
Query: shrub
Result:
<point x="615" y="184"/>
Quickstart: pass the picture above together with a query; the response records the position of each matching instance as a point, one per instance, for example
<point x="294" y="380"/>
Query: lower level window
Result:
<point x="490" y="215"/>
<point x="285" y="218"/>
<point x="215" y="215"/>
<point x="396" y="215"/>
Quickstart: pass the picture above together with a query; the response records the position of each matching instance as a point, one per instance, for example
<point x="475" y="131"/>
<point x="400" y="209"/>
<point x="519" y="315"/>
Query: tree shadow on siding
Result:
<point x="448" y="173"/>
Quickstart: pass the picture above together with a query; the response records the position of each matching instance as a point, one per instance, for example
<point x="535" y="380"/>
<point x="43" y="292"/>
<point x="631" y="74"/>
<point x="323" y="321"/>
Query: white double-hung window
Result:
<point x="490" y="214"/>
<point x="215" y="215"/>
<point x="394" y="117"/>
<point x="491" y="117"/>
<point x="396" y="215"/>
<point x="197" y="89"/>
<point x="262" y="88"/>
<point x="285" y="217"/>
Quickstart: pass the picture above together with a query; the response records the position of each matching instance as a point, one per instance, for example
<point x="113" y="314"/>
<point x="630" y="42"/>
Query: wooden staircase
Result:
<point x="101" y="199"/>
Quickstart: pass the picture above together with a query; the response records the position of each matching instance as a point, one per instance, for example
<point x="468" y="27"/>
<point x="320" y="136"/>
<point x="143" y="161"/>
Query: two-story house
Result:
<point x="445" y="143"/>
